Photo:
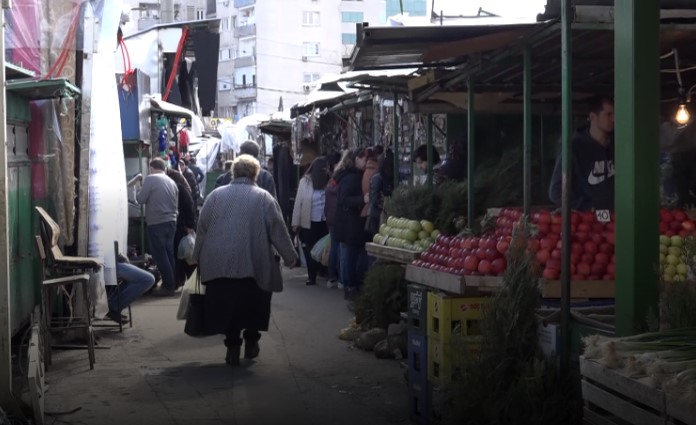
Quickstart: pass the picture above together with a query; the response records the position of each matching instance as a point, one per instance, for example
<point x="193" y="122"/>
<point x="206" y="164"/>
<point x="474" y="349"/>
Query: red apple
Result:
<point x="590" y="247"/>
<point x="551" y="274"/>
<point x="498" y="265"/>
<point x="484" y="267"/>
<point x="584" y="269"/>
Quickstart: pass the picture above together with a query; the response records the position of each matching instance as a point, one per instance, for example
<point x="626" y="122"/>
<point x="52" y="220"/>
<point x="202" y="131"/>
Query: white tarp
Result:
<point x="108" y="200"/>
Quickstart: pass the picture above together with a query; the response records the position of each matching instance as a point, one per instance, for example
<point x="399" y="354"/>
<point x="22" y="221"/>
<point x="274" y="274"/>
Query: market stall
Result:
<point x="528" y="68"/>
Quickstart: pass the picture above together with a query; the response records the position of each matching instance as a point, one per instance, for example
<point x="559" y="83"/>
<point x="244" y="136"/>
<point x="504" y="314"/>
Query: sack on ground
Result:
<point x="190" y="287"/>
<point x="318" y="249"/>
<point x="185" y="250"/>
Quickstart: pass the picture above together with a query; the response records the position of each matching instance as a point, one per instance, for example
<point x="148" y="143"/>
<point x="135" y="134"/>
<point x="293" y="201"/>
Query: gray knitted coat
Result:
<point x="238" y="227"/>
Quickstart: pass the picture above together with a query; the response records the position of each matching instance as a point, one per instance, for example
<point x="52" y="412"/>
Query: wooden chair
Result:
<point x="66" y="275"/>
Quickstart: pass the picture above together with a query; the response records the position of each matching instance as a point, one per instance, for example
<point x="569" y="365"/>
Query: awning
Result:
<point x="43" y="89"/>
<point x="13" y="72"/>
<point x="379" y="48"/>
<point x="319" y="98"/>
<point x="276" y="128"/>
<point x="170" y="109"/>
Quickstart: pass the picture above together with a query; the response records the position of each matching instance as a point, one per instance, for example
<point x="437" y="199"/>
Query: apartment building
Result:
<point x="145" y="14"/>
<point x="411" y="7"/>
<point x="273" y="49"/>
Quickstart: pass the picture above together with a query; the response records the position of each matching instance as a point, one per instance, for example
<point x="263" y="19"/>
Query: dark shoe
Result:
<point x="310" y="283"/>
<point x="232" y="357"/>
<point x="251" y="349"/>
<point x="163" y="292"/>
<point x="117" y="317"/>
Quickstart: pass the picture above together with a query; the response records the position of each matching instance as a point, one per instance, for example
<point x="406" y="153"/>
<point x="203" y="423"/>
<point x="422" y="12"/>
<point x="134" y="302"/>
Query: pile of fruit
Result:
<point x="408" y="234"/>
<point x="592" y="250"/>
<point x="483" y="256"/>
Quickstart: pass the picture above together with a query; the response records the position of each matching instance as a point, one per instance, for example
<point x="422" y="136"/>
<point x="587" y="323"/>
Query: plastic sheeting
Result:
<point x="108" y="201"/>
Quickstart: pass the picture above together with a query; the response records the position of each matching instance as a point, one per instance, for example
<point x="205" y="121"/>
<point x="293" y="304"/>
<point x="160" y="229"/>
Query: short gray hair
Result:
<point x="246" y="166"/>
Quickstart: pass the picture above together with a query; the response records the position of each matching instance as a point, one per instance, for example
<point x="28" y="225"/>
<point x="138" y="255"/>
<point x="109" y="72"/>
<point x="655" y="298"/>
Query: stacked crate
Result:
<point x="452" y="328"/>
<point x="418" y="390"/>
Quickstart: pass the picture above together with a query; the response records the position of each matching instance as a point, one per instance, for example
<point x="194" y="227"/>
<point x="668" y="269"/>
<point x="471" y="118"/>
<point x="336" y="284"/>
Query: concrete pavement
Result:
<point x="155" y="374"/>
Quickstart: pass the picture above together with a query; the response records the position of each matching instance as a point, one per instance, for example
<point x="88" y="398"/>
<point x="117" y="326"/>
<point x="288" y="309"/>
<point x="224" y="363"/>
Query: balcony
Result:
<point x="245" y="91"/>
<point x="145" y="23"/>
<point x="245" y="31"/>
<point x="244" y="61"/>
<point x="243" y="3"/>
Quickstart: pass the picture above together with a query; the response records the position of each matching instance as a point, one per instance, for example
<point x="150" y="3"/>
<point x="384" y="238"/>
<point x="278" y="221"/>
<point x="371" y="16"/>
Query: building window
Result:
<point x="234" y="22"/>
<point x="244" y="80"/>
<point x="310" y="19"/>
<point x="200" y="14"/>
<point x="225" y="55"/>
<point x="224" y="86"/>
<point x="225" y="24"/>
<point x="310" y="48"/>
<point x="310" y="77"/>
<point x="349" y="38"/>
<point x="351" y="17"/>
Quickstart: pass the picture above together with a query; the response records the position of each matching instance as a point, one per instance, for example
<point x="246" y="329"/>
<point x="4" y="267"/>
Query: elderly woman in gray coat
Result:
<point x="239" y="226"/>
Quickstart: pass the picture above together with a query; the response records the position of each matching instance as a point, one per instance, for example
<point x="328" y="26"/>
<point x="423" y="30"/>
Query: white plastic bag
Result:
<point x="190" y="287"/>
<point x="185" y="250"/>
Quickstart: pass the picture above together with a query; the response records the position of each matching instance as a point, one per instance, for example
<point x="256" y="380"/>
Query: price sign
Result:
<point x="603" y="216"/>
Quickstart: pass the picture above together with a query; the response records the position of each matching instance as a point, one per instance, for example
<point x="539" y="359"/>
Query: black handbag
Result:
<point x="195" y="314"/>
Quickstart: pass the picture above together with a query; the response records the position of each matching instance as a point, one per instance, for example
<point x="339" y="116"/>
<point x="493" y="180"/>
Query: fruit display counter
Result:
<point x="401" y="240"/>
<point x="592" y="251"/>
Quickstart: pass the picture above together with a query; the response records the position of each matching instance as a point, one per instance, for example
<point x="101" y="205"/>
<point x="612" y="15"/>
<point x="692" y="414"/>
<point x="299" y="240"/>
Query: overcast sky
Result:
<point x="505" y="8"/>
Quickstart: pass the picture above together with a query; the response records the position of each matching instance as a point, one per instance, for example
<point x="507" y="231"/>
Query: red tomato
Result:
<point x="544" y="229"/>
<point x="553" y="264"/>
<point x="665" y="216"/>
<point x="587" y="258"/>
<point x="575" y="217"/>
<point x="588" y="217"/>
<point x="597" y="269"/>
<point x="678" y="215"/>
<point x="502" y="246"/>
<point x="548" y="243"/>
<point x="481" y="253"/>
<point x="611" y="269"/>
<point x="601" y="258"/>
<point x="556" y="219"/>
<point x="597" y="239"/>
<point x="492" y="254"/>
<point x="542" y="256"/>
<point x="484" y="267"/>
<point x="499" y="265"/>
<point x="582" y="237"/>
<point x="590" y="247"/>
<point x="556" y="254"/>
<point x="551" y="274"/>
<point x="606" y="248"/>
<point x="584" y="269"/>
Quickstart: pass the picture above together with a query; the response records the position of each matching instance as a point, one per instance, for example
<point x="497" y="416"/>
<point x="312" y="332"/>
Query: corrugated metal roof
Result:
<point x="379" y="48"/>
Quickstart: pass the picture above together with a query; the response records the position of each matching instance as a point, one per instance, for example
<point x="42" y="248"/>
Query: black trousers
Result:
<point x="309" y="237"/>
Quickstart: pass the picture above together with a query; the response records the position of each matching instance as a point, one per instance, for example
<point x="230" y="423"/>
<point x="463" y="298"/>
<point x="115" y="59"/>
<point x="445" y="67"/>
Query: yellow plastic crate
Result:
<point x="449" y="315"/>
<point x="445" y="359"/>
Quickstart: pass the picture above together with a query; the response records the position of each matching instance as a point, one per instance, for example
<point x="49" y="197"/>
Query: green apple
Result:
<point x="670" y="270"/>
<point x="427" y="226"/>
<point x="663" y="249"/>
<point x="677" y="240"/>
<point x="665" y="240"/>
<point x="682" y="269"/>
<point x="434" y="234"/>
<point x="663" y="258"/>
<point x="676" y="251"/>
<point x="672" y="260"/>
<point x="679" y="278"/>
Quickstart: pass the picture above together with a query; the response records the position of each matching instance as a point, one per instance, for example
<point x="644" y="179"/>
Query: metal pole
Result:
<point x="637" y="171"/>
<point x="5" y="300"/>
<point x="566" y="120"/>
<point x="142" y="208"/>
<point x="395" y="143"/>
<point x="430" y="151"/>
<point x="542" y="154"/>
<point x="527" y="178"/>
<point x="471" y="213"/>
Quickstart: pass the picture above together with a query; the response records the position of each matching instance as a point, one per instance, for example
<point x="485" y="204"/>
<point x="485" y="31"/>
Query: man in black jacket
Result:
<point x="592" y="161"/>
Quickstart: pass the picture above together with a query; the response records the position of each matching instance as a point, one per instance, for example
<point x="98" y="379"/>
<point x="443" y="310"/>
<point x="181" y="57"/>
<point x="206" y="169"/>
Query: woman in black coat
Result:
<point x="350" y="227"/>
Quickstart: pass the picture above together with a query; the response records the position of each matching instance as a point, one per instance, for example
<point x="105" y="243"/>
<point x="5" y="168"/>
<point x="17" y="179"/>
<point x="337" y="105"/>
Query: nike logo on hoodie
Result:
<point x="602" y="170"/>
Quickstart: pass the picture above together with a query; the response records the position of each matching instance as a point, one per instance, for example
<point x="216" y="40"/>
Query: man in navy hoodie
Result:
<point x="592" y="161"/>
